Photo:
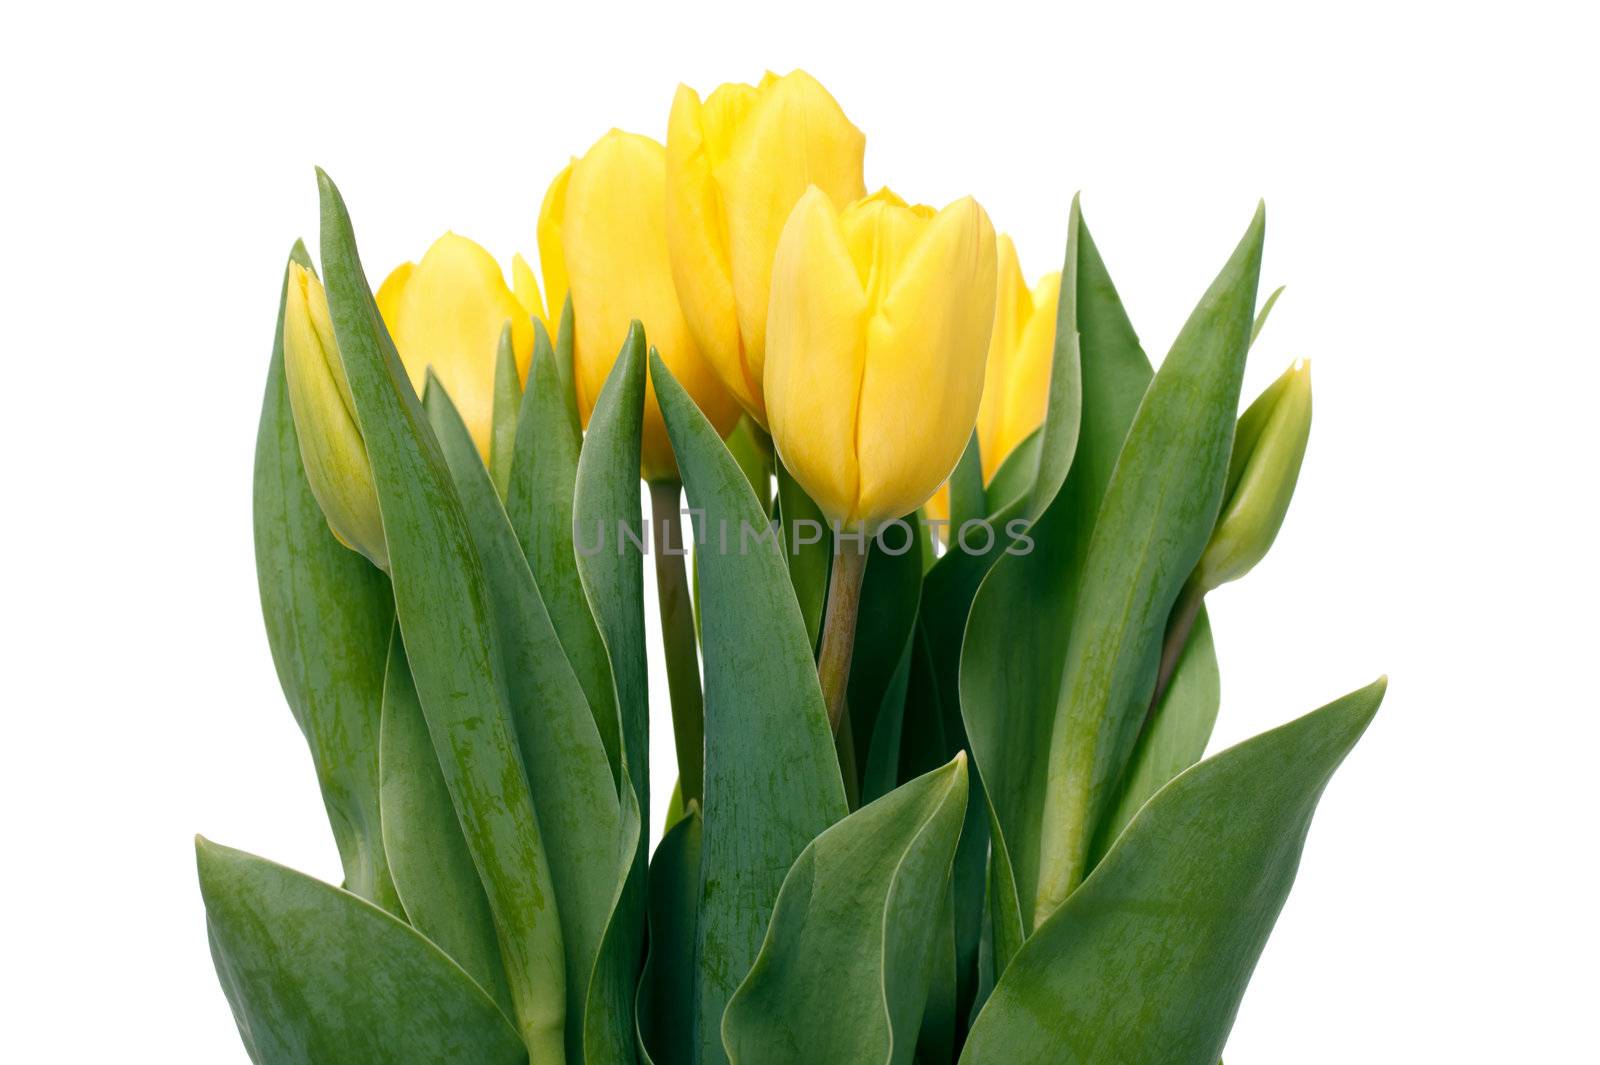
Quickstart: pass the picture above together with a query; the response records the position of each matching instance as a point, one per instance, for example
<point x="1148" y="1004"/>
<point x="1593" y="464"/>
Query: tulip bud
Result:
<point x="607" y="225"/>
<point x="1016" y="375"/>
<point x="880" y="320"/>
<point x="331" y="448"/>
<point x="736" y="165"/>
<point x="446" y="313"/>
<point x="1268" y="446"/>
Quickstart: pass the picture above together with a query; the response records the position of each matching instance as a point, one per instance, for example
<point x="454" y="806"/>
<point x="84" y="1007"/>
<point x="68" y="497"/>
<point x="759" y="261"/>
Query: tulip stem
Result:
<point x="678" y="639"/>
<point x="1179" y="624"/>
<point x="839" y="625"/>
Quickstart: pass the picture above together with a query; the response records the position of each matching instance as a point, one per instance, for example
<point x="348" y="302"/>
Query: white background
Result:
<point x="1431" y="179"/>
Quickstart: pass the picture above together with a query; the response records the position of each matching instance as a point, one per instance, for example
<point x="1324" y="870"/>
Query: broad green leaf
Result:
<point x="937" y="1038"/>
<point x="772" y="780"/>
<point x="1016" y="474"/>
<point x="609" y="529"/>
<point x="540" y="507"/>
<point x="1174" y="737"/>
<point x="881" y="770"/>
<point x="1148" y="959"/>
<point x="564" y="365"/>
<point x="447" y="619"/>
<point x="1154" y="520"/>
<point x="503" y="424"/>
<point x="328" y="613"/>
<point x="844" y="971"/>
<point x="576" y="799"/>
<point x="433" y="871"/>
<point x="1017" y="635"/>
<point x="609" y="1032"/>
<point x="808" y="546"/>
<point x="317" y="975"/>
<point x="666" y="992"/>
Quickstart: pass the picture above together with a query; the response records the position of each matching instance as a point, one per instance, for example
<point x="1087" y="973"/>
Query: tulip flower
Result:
<point x="604" y="234"/>
<point x="879" y="325"/>
<point x="1016" y="376"/>
<point x="331" y="446"/>
<point x="447" y="312"/>
<point x="1269" y="443"/>
<point x="1268" y="447"/>
<point x="736" y="165"/>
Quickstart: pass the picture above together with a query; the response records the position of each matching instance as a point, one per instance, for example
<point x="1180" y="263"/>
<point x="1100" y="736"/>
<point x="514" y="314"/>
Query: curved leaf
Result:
<point x="573" y="791"/>
<point x="433" y="870"/>
<point x="610" y="564"/>
<point x="539" y="504"/>
<point x="318" y="975"/>
<point x="328" y="613"/>
<point x="808" y="548"/>
<point x="665" y="1010"/>
<point x="609" y="1031"/>
<point x="772" y="780"/>
<point x="1017" y="634"/>
<point x="1154" y="520"/>
<point x="1148" y="959"/>
<point x="852" y="934"/>
<point x="446" y="615"/>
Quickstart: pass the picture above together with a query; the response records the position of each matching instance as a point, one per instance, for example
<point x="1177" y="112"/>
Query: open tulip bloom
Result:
<point x="941" y="673"/>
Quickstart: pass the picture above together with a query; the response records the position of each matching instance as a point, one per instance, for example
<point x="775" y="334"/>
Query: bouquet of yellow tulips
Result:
<point x="940" y="672"/>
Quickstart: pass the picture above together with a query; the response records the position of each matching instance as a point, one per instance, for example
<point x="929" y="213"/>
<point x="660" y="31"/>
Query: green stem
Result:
<point x="678" y="638"/>
<point x="839" y="625"/>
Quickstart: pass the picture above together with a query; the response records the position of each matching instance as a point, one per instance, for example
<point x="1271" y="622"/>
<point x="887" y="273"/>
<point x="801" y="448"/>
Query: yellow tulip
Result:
<point x="610" y="245"/>
<point x="447" y="311"/>
<point x="880" y="321"/>
<point x="736" y="165"/>
<point x="331" y="447"/>
<point x="1016" y="376"/>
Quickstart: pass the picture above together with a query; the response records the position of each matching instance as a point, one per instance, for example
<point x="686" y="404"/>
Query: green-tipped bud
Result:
<point x="331" y="448"/>
<point x="1268" y="446"/>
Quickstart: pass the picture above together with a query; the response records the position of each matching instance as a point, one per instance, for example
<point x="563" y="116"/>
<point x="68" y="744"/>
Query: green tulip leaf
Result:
<point x="1017" y="635"/>
<point x="1174" y="736"/>
<point x="665" y="1011"/>
<point x="447" y="619"/>
<point x="433" y="871"/>
<point x="1266" y="309"/>
<point x="1154" y="521"/>
<point x="967" y="498"/>
<point x="609" y="1032"/>
<point x="751" y="448"/>
<point x="772" y="781"/>
<point x="503" y="422"/>
<point x="843" y="974"/>
<point x="540" y="506"/>
<point x="891" y="590"/>
<point x="573" y="791"/>
<point x="328" y="613"/>
<point x="609" y="562"/>
<point x="1148" y="959"/>
<point x="317" y="975"/>
<point x="565" y="369"/>
<point x="1016" y="474"/>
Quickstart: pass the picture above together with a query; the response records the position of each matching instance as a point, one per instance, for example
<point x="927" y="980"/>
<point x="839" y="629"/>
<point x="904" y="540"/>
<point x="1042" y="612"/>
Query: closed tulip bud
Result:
<point x="446" y="313"/>
<point x="331" y="447"/>
<point x="880" y="321"/>
<point x="1016" y="376"/>
<point x="736" y="165"/>
<point x="607" y="216"/>
<point x="1268" y="447"/>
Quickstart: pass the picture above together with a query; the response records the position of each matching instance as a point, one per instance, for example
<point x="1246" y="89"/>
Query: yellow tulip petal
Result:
<point x="551" y="259"/>
<point x="525" y="286"/>
<point x="614" y="243"/>
<point x="331" y="447"/>
<point x="926" y="346"/>
<point x="1013" y="308"/>
<point x="388" y="295"/>
<point x="880" y="232"/>
<point x="793" y="136"/>
<point x="450" y="316"/>
<point x="1027" y="388"/>
<point x="696" y="236"/>
<point x="817" y="355"/>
